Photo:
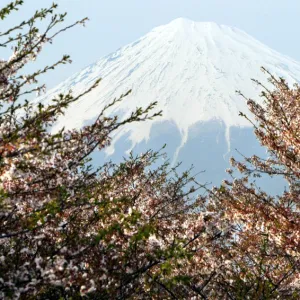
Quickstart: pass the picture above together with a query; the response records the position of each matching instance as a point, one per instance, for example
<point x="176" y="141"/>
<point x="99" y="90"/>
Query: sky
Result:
<point x="115" y="23"/>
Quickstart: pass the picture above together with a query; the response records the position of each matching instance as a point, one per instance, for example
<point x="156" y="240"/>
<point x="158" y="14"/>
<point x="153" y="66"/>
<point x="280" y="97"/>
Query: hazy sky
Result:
<point x="114" y="23"/>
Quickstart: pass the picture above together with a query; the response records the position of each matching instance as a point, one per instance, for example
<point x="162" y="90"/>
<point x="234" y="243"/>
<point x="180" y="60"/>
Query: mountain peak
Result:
<point x="192" y="69"/>
<point x="193" y="28"/>
<point x="179" y="22"/>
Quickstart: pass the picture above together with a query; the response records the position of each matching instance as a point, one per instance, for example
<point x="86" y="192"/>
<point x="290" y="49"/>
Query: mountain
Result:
<point x="193" y="70"/>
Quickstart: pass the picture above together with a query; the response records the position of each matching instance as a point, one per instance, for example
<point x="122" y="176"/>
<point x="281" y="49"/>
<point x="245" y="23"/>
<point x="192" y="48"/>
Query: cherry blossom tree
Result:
<point x="262" y="249"/>
<point x="70" y="229"/>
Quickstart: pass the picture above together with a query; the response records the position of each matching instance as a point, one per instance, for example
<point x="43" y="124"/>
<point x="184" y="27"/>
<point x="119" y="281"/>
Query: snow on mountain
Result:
<point x="191" y="68"/>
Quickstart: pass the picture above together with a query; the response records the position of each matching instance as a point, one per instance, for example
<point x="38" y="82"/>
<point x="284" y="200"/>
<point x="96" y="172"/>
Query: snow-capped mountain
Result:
<point x="193" y="70"/>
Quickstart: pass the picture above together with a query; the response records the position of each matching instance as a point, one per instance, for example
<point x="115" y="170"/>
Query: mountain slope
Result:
<point x="192" y="69"/>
